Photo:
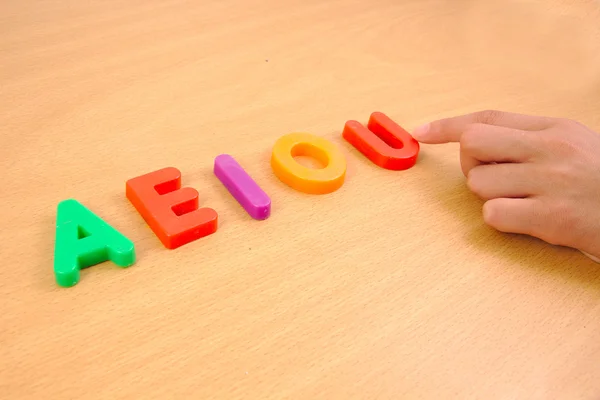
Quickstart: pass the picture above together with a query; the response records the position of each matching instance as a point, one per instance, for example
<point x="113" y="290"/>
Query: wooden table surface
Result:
<point x="389" y="288"/>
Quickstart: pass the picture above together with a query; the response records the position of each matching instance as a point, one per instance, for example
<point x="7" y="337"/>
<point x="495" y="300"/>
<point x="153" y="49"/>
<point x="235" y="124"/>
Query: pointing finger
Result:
<point x="451" y="129"/>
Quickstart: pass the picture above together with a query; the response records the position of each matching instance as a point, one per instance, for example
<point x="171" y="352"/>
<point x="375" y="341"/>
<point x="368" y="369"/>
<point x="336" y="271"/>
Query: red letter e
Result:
<point x="171" y="211"/>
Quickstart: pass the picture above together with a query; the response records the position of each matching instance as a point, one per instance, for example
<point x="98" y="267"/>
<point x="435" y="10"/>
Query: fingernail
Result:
<point x="421" y="131"/>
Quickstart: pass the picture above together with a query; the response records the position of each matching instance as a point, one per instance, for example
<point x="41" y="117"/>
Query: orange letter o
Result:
<point x="304" y="179"/>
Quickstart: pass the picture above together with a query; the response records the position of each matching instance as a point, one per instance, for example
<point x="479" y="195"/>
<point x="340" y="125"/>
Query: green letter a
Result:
<point x="83" y="239"/>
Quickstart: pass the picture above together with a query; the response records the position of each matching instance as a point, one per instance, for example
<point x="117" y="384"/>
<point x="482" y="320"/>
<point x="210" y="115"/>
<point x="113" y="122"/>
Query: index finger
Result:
<point x="451" y="129"/>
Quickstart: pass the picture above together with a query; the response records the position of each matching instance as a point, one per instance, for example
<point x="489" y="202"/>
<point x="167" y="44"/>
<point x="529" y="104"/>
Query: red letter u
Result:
<point x="383" y="141"/>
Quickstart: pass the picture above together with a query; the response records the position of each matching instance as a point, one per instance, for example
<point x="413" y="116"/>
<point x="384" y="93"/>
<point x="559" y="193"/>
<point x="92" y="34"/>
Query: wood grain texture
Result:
<point x="390" y="288"/>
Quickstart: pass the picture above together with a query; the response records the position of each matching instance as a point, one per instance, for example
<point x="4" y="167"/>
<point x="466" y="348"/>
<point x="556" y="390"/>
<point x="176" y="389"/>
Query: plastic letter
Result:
<point x="383" y="142"/>
<point x="304" y="179"/>
<point x="83" y="239"/>
<point x="242" y="187"/>
<point x="171" y="211"/>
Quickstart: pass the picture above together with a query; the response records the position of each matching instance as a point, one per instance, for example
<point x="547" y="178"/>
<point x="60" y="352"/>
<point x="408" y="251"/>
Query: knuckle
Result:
<point x="469" y="138"/>
<point x="564" y="223"/>
<point x="563" y="173"/>
<point x="569" y="147"/>
<point x="561" y="146"/>
<point x="566" y="216"/>
<point x="489" y="117"/>
<point x="566" y="123"/>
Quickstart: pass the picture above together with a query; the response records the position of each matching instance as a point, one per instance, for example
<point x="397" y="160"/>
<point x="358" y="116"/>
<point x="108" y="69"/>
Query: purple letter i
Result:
<point x="242" y="187"/>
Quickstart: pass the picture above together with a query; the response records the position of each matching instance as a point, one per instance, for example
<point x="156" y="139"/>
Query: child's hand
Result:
<point x="539" y="176"/>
